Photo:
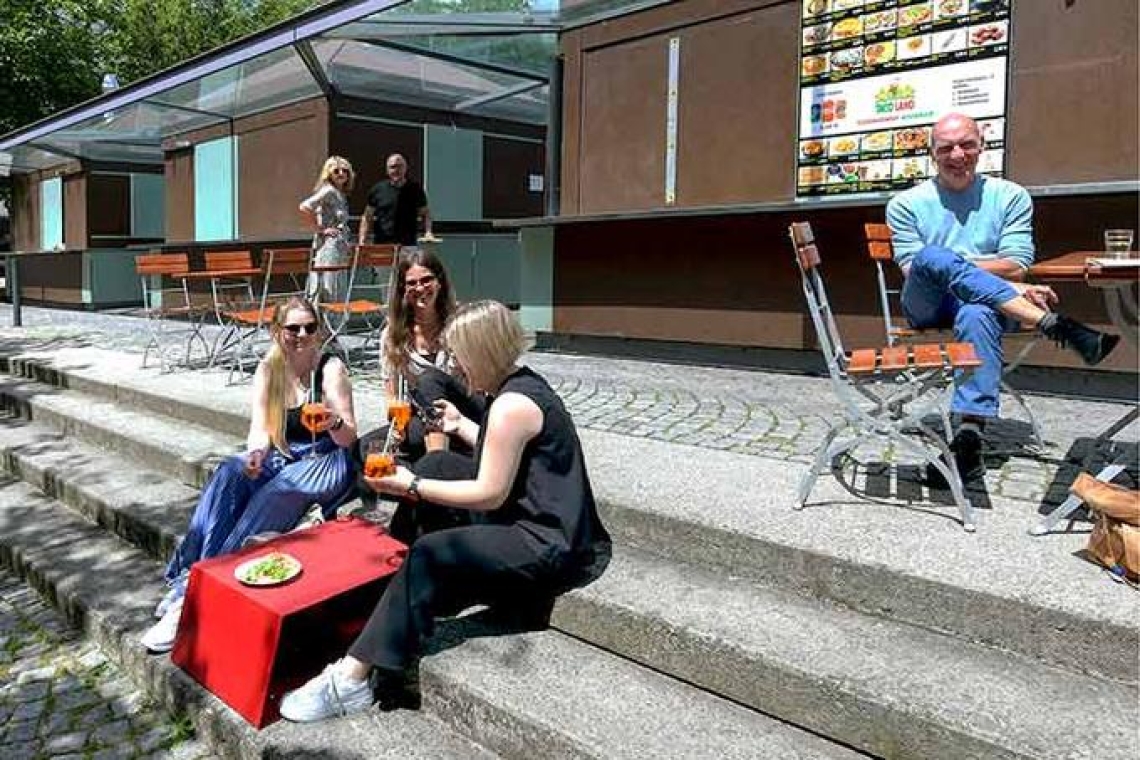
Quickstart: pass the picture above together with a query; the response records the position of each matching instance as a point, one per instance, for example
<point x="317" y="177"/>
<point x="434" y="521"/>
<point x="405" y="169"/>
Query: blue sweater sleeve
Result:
<point x="906" y="240"/>
<point x="1017" y="227"/>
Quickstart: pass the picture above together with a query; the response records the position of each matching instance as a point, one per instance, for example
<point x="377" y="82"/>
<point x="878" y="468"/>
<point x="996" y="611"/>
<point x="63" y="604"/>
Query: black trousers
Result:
<point x="453" y="563"/>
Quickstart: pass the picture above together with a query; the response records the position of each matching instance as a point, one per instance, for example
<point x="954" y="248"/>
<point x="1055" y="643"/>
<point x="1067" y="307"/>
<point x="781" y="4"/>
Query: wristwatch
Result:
<point x="414" y="488"/>
<point x="338" y="424"/>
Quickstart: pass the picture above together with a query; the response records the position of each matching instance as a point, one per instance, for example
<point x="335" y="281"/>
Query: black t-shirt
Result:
<point x="396" y="211"/>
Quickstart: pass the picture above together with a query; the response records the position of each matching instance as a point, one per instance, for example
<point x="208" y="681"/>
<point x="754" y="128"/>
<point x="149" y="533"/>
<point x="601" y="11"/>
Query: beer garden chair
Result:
<point x="885" y="393"/>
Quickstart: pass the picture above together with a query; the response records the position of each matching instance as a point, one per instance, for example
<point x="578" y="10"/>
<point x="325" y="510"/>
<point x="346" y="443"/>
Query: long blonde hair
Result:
<point x="332" y="163"/>
<point x="278" y="388"/>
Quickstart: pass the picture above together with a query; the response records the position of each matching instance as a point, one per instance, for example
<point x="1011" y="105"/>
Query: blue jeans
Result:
<point x="944" y="290"/>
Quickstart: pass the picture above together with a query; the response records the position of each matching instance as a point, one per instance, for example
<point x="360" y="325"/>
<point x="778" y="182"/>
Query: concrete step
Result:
<point x="735" y="513"/>
<point x="183" y="450"/>
<point x="731" y="512"/>
<point x="95" y="579"/>
<point x="887" y="688"/>
<point x="890" y="689"/>
<point x="512" y="694"/>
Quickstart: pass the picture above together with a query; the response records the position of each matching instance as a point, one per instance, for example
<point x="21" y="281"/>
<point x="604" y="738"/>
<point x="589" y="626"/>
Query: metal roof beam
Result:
<point x="305" y="52"/>
<point x="459" y="60"/>
<point x="509" y="92"/>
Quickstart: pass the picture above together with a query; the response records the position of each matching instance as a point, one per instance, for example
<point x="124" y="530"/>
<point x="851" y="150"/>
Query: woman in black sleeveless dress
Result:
<point x="534" y="530"/>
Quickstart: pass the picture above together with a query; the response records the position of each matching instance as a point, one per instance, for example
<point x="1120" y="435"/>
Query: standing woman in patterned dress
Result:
<point x="326" y="212"/>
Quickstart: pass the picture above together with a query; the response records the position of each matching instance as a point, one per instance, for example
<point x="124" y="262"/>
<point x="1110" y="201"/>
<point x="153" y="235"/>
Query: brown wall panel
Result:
<point x="507" y="166"/>
<point x="108" y="205"/>
<point x="737" y="108"/>
<point x="179" y="176"/>
<point x="25" y="212"/>
<point x="731" y="280"/>
<point x="1075" y="92"/>
<point x="75" y="210"/>
<point x="622" y="151"/>
<point x="367" y="145"/>
<point x="570" y="189"/>
<point x="280" y="154"/>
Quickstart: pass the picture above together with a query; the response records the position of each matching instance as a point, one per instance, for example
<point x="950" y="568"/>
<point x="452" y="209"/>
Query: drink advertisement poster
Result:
<point x="876" y="74"/>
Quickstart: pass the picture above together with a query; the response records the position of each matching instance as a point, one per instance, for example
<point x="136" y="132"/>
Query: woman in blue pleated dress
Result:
<point x="286" y="468"/>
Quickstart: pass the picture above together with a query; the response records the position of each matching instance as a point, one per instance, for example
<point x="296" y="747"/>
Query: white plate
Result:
<point x="247" y="573"/>
<point x="1116" y="263"/>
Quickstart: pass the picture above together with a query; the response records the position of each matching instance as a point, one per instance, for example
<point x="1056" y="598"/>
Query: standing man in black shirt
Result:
<point x="398" y="205"/>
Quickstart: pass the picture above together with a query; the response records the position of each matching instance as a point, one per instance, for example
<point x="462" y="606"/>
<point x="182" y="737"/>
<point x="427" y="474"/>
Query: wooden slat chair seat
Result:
<point x="886" y="391"/>
<point x="881" y="251"/>
<point x="365" y="304"/>
<point x="285" y="274"/>
<point x="169" y="310"/>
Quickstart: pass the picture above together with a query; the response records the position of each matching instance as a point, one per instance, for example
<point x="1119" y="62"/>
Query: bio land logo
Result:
<point x="894" y="98"/>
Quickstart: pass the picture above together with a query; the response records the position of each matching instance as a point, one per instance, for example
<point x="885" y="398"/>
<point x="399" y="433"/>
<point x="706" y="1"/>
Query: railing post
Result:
<point x="12" y="282"/>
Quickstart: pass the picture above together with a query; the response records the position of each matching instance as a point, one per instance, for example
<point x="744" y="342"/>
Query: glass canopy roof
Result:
<point x="485" y="57"/>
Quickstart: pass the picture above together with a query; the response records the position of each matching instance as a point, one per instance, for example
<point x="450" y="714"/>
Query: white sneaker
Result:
<point x="172" y="595"/>
<point x="160" y="637"/>
<point x="328" y="695"/>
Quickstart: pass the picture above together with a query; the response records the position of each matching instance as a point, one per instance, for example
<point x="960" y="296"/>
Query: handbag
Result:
<point x="1115" y="539"/>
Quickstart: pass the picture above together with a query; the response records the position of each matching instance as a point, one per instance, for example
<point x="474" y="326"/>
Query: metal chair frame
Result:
<point x="367" y="302"/>
<point x="167" y="305"/>
<point x="880" y="248"/>
<point x="886" y="393"/>
<point x="251" y="325"/>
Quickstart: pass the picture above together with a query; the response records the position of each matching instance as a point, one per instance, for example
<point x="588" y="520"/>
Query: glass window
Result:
<point x="51" y="213"/>
<point x="215" y="190"/>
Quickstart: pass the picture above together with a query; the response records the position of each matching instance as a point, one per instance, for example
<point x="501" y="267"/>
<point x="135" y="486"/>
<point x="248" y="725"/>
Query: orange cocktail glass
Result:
<point x="400" y="412"/>
<point x="313" y="416"/>
<point x="379" y="465"/>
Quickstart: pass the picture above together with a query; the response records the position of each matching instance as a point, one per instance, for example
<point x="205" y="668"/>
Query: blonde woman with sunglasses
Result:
<point x="326" y="212"/>
<point x="286" y="467"/>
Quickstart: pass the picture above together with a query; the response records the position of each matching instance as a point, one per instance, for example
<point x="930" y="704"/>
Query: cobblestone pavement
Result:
<point x="61" y="698"/>
<point x="767" y="414"/>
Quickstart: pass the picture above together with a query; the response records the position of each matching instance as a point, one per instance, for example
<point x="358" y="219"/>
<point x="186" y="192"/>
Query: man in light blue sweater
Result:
<point x="964" y="243"/>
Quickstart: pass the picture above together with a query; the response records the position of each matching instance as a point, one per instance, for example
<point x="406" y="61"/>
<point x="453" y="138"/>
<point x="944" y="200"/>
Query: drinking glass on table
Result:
<point x="1117" y="243"/>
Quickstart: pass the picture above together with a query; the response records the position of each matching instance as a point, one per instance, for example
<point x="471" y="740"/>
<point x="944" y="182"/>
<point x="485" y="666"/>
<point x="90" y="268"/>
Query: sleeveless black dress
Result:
<point x="551" y="497"/>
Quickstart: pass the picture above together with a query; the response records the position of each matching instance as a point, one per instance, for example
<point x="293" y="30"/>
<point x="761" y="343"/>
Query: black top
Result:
<point x="551" y="497"/>
<point x="396" y="211"/>
<point x="295" y="432"/>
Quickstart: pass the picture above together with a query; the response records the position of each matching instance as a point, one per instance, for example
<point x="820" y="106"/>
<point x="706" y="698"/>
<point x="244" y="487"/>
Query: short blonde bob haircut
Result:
<point x="487" y="340"/>
<point x="332" y="163"/>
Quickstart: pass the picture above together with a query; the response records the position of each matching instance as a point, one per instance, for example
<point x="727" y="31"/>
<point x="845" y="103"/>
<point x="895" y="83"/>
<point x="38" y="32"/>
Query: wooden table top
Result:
<point x="1076" y="266"/>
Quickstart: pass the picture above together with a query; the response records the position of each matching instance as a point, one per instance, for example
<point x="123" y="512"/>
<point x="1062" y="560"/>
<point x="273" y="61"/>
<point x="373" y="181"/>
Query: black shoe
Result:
<point x="396" y="690"/>
<point x="967" y="450"/>
<point x="1091" y="345"/>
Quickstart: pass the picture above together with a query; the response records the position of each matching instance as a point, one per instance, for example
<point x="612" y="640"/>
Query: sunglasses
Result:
<point x="305" y="328"/>
<point x="423" y="281"/>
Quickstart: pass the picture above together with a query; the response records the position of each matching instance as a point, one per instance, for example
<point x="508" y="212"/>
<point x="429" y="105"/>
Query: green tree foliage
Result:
<point x="151" y="35"/>
<point x="50" y="56"/>
<point x="53" y="53"/>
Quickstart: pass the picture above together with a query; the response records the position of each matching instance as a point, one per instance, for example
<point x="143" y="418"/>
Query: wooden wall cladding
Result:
<point x="108" y="205"/>
<point x="1074" y="111"/>
<point x="280" y="154"/>
<point x="507" y="167"/>
<point x="25" y="212"/>
<point x="179" y="176"/>
<point x="731" y="280"/>
<point x="367" y="145"/>
<point x="75" y="188"/>
<point x="1073" y="114"/>
<point x="621" y="161"/>
<point x="737" y="108"/>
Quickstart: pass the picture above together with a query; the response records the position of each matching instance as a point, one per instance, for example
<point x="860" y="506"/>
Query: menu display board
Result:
<point x="876" y="74"/>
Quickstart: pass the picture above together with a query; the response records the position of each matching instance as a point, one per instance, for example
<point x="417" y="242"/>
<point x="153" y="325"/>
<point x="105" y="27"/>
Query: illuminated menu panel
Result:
<point x="876" y="74"/>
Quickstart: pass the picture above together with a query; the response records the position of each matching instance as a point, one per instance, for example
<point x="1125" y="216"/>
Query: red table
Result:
<point x="250" y="645"/>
